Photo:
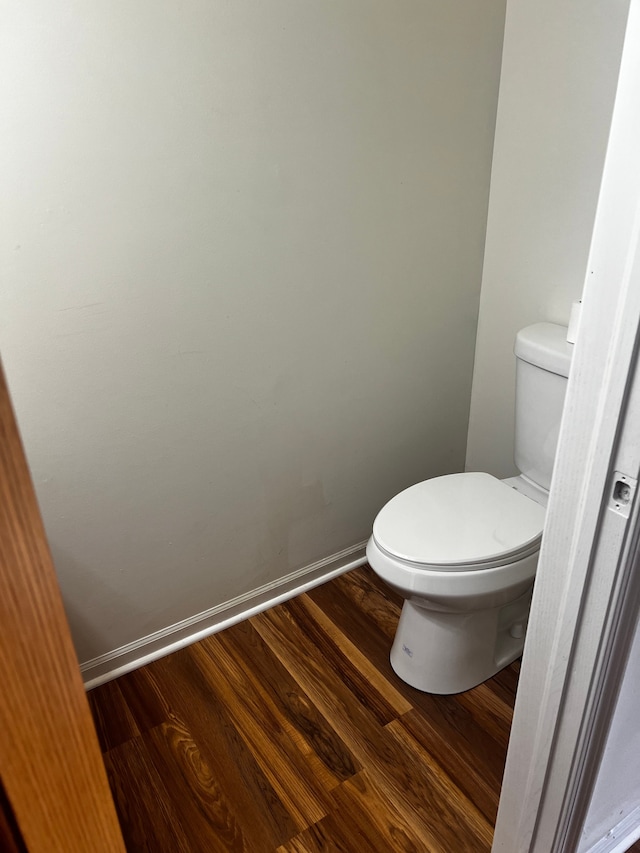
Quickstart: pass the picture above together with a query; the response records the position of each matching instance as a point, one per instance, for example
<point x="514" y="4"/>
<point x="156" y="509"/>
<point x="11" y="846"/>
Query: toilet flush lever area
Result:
<point x="622" y="493"/>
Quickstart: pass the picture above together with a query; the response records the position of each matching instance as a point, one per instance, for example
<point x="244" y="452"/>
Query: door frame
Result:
<point x="587" y="593"/>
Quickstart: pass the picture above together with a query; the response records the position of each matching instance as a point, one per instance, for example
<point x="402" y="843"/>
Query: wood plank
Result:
<point x="364" y="582"/>
<point x="396" y="702"/>
<point x="209" y="816"/>
<point x="363" y="625"/>
<point x="505" y="683"/>
<point x="460" y="825"/>
<point x="301" y="702"/>
<point x="248" y="795"/>
<point x="264" y="731"/>
<point x="120" y="725"/>
<point x="139" y="793"/>
<point x="381" y="606"/>
<point x="429" y="802"/>
<point x="51" y="769"/>
<point x="477" y="773"/>
<point x="327" y="754"/>
<point x="142" y="691"/>
<point x="379" y="696"/>
<point x="323" y="837"/>
<point x="490" y="712"/>
<point x="363" y="809"/>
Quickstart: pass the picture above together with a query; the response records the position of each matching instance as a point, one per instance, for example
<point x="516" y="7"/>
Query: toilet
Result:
<point x="462" y="549"/>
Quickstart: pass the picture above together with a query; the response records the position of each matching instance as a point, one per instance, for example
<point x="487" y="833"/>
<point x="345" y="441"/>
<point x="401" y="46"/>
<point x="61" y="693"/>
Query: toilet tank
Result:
<point x="543" y="358"/>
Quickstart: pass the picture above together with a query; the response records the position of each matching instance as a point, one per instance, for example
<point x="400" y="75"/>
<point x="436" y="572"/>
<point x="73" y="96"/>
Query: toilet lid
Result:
<point x="459" y="519"/>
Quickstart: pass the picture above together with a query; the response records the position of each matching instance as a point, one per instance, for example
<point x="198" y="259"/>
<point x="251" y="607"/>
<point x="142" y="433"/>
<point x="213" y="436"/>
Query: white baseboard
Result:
<point x="113" y="664"/>
<point x="621" y="837"/>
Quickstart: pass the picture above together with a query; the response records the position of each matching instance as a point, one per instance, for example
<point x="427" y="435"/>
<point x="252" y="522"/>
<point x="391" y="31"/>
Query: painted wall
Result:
<point x="559" y="70"/>
<point x="241" y="263"/>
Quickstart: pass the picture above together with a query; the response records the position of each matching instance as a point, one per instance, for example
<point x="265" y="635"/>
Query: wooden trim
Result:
<point x="50" y="764"/>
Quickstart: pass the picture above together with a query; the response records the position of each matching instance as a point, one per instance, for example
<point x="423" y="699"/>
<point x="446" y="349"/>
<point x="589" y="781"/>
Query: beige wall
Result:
<point x="559" y="70"/>
<point x="240" y="278"/>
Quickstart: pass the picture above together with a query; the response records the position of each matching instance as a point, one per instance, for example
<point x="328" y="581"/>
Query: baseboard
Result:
<point x="621" y="837"/>
<point x="127" y="658"/>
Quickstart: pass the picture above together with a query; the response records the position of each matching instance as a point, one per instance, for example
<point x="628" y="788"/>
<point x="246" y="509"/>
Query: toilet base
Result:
<point x="440" y="652"/>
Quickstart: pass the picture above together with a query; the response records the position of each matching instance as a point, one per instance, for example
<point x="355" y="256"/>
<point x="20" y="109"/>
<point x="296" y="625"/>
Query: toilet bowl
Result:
<point x="462" y="549"/>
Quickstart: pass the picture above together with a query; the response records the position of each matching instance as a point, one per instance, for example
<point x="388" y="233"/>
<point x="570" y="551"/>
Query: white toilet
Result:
<point x="462" y="549"/>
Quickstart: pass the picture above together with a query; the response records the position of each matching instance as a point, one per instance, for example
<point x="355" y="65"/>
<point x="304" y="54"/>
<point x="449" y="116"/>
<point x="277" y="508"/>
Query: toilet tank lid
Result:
<point x="458" y="519"/>
<point x="545" y="345"/>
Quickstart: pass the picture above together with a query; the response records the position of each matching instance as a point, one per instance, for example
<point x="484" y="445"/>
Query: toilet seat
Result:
<point x="461" y="589"/>
<point x="459" y="523"/>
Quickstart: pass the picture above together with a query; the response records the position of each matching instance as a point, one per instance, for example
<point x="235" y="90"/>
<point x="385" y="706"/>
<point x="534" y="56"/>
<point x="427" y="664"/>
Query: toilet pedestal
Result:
<point x="443" y="652"/>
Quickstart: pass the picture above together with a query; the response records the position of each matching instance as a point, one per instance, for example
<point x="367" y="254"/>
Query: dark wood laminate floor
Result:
<point x="291" y="733"/>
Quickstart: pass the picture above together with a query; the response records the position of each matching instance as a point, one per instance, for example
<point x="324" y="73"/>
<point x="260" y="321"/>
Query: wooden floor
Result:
<point x="291" y="733"/>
